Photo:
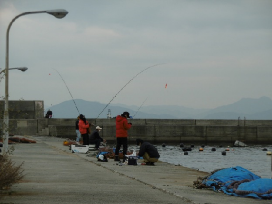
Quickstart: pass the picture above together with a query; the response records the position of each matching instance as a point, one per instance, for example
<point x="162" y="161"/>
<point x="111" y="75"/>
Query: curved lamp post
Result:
<point x="23" y="69"/>
<point x="58" y="13"/>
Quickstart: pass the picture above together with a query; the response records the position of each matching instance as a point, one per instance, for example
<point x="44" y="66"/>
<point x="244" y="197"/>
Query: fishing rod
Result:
<point x="140" y="107"/>
<point x="68" y="90"/>
<point x="127" y="84"/>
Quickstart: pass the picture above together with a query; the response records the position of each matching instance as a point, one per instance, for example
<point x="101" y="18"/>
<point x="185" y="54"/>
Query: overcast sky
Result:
<point x="212" y="52"/>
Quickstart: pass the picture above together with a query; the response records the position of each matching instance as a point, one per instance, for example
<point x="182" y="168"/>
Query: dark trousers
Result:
<point x="85" y="139"/>
<point x="121" y="141"/>
<point x="96" y="142"/>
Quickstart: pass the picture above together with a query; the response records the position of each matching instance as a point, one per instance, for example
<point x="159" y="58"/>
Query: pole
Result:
<point x="60" y="13"/>
<point x="6" y="113"/>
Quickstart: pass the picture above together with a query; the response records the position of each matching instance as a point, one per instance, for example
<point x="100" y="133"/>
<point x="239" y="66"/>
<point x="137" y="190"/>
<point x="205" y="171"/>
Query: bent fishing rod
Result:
<point x="126" y="85"/>
<point x="140" y="107"/>
<point x="68" y="91"/>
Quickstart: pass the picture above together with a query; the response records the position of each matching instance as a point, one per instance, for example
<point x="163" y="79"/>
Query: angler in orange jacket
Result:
<point x="122" y="126"/>
<point x="83" y="127"/>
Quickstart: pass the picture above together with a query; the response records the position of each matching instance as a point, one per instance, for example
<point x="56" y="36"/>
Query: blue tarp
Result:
<point x="238" y="181"/>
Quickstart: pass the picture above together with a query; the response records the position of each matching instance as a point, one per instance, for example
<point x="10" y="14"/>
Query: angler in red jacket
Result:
<point x="122" y="126"/>
<point x="83" y="127"/>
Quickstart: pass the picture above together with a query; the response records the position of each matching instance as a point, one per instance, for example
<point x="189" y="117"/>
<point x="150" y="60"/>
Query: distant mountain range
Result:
<point x="251" y="109"/>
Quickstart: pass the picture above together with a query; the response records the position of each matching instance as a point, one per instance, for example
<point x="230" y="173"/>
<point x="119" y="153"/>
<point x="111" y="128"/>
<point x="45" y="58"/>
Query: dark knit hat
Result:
<point x="138" y="141"/>
<point x="125" y="113"/>
<point x="81" y="116"/>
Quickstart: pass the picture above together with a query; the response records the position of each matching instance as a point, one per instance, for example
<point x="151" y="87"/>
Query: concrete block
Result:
<point x="217" y="122"/>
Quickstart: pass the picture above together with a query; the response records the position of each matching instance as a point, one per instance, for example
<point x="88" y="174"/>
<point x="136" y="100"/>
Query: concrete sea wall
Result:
<point x="23" y="109"/>
<point x="27" y="118"/>
<point x="157" y="130"/>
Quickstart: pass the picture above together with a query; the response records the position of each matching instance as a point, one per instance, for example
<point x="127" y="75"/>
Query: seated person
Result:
<point x="148" y="152"/>
<point x="95" y="138"/>
<point x="49" y="114"/>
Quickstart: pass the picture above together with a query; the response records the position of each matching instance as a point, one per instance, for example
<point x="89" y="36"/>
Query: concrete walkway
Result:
<point x="54" y="175"/>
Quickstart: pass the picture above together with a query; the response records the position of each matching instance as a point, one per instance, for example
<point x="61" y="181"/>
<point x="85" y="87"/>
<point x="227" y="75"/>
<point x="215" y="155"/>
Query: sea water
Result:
<point x="252" y="158"/>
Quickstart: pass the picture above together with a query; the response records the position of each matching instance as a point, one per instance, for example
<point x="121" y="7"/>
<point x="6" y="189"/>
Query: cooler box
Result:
<point x="79" y="148"/>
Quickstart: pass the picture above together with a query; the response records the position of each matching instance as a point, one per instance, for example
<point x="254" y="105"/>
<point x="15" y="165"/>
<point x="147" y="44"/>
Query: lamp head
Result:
<point x="23" y="69"/>
<point x="58" y="13"/>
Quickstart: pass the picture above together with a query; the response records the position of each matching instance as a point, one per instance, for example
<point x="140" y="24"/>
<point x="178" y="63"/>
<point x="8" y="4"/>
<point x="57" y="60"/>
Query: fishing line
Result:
<point x="127" y="84"/>
<point x="68" y="90"/>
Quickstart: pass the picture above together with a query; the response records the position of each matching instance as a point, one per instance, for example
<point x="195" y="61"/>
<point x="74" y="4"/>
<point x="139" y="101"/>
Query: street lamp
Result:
<point x="23" y="69"/>
<point x="58" y="13"/>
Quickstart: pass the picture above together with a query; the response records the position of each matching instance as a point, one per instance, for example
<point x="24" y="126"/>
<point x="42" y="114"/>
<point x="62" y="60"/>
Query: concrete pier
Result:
<point x="55" y="175"/>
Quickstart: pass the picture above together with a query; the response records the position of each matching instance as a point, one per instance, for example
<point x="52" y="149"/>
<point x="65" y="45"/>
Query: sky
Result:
<point x="209" y="53"/>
